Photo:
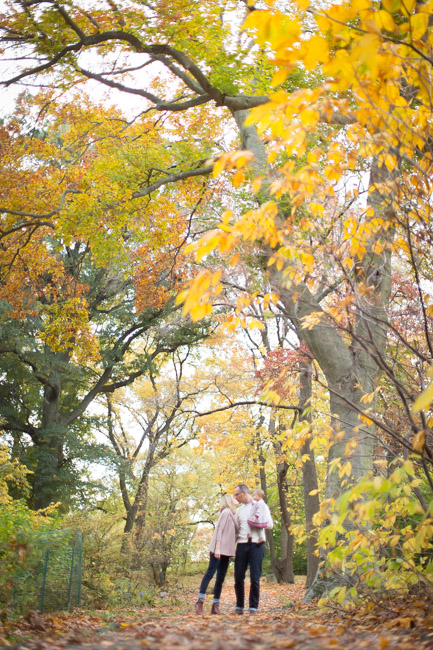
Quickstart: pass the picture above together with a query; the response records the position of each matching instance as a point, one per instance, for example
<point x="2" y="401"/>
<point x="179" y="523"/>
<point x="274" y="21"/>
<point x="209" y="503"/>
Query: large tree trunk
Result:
<point x="47" y="482"/>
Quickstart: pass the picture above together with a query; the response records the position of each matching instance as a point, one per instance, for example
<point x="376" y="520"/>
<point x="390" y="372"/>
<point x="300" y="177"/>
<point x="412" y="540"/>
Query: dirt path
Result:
<point x="283" y="622"/>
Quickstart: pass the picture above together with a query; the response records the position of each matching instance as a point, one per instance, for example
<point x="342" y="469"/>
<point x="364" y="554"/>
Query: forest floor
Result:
<point x="283" y="621"/>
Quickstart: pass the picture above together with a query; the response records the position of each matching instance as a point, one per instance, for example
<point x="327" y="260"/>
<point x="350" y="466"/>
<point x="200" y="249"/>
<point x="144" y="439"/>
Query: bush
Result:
<point x="378" y="538"/>
<point x="22" y="532"/>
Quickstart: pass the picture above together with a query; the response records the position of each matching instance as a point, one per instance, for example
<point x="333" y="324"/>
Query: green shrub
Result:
<point x="22" y="534"/>
<point x="378" y="538"/>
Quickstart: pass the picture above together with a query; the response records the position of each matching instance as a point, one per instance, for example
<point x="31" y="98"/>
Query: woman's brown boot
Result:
<point x="199" y="607"/>
<point x="215" y="608"/>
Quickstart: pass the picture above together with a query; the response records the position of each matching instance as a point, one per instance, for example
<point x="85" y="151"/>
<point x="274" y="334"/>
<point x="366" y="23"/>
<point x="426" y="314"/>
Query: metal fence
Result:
<point x="50" y="579"/>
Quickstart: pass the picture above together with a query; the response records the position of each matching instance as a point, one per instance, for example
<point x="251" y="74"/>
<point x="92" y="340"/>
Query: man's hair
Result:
<point x="243" y="488"/>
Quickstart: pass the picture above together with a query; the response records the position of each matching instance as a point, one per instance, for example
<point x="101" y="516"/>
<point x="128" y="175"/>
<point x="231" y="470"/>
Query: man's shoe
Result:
<point x="253" y="612"/>
<point x="199" y="607"/>
<point x="239" y="612"/>
<point x="215" y="608"/>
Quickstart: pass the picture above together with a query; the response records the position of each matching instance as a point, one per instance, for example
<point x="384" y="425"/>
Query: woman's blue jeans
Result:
<point x="220" y="568"/>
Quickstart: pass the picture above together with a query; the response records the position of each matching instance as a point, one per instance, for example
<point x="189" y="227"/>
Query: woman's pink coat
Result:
<point x="226" y="530"/>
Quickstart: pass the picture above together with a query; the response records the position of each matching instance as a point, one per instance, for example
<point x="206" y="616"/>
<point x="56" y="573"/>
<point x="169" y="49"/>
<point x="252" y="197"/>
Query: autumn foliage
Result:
<point x="235" y="262"/>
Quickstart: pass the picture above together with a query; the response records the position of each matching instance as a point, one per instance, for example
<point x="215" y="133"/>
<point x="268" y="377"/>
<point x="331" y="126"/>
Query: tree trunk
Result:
<point x="136" y="513"/>
<point x="281" y="566"/>
<point x="47" y="482"/>
<point x="276" y="564"/>
<point x="286" y="554"/>
<point x="309" y="474"/>
<point x="287" y="539"/>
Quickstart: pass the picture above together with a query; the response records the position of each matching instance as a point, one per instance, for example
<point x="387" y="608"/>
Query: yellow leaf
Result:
<point x="238" y="178"/>
<point x="341" y="595"/>
<point x="254" y="323"/>
<point x="418" y="441"/>
<point x="418" y="25"/>
<point x="181" y="297"/>
<point x="313" y="492"/>
<point x="424" y="400"/>
<point x="316" y="209"/>
<point x="316" y="51"/>
<point x="371" y="26"/>
<point x="384" y="20"/>
<point x="348" y="263"/>
<point x="257" y="183"/>
<point x="390" y="162"/>
<point x="216" y="277"/>
<point x="200" y="311"/>
<point x="346" y="469"/>
<point x="309" y="117"/>
<point x="280" y="77"/>
<point x="391" y="5"/>
<point x="219" y="165"/>
<point x="407" y="6"/>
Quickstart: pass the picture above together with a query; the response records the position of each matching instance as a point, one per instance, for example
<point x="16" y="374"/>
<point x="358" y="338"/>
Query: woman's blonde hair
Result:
<point x="227" y="501"/>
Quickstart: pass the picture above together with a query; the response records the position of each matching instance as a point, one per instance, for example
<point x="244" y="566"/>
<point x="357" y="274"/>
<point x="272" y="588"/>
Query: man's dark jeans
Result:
<point x="248" y="554"/>
<point x="220" y="567"/>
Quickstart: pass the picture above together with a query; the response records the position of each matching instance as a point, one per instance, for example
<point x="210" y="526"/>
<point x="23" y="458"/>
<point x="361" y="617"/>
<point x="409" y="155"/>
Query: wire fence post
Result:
<point x="71" y="577"/>
<point x="44" y="580"/>
<point x="79" y="560"/>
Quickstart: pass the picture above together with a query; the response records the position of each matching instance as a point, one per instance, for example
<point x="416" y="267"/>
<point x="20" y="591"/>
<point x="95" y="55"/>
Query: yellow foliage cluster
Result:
<point x="378" y="536"/>
<point x="11" y="472"/>
<point x="365" y="59"/>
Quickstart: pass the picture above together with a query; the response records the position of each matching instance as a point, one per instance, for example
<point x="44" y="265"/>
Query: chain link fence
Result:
<point x="50" y="577"/>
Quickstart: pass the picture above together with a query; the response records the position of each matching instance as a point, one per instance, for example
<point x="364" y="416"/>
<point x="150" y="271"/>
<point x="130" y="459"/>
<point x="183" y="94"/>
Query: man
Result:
<point x="248" y="553"/>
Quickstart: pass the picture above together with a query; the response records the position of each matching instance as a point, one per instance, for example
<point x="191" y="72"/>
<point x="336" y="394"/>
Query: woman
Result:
<point x="221" y="548"/>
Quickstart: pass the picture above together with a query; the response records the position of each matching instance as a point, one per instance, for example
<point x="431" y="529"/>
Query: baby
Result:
<point x="259" y="517"/>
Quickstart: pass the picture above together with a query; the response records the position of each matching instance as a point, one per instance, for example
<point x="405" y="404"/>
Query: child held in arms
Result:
<point x="259" y="519"/>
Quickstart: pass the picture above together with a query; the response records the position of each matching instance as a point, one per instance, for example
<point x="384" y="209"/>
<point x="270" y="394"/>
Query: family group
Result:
<point x="239" y="533"/>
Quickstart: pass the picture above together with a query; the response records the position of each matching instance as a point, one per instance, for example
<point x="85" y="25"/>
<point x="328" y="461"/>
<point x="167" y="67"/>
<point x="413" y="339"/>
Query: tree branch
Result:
<point x="173" y="178"/>
<point x="244" y="403"/>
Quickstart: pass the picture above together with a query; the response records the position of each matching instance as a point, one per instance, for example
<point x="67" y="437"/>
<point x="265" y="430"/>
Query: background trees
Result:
<point x="82" y="317"/>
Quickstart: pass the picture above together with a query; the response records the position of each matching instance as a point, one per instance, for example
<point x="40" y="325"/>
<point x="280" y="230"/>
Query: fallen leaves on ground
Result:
<point x="283" y="622"/>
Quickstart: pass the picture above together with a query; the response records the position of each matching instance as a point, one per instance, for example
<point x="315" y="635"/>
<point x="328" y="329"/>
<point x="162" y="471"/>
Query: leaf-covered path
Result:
<point x="283" y="622"/>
